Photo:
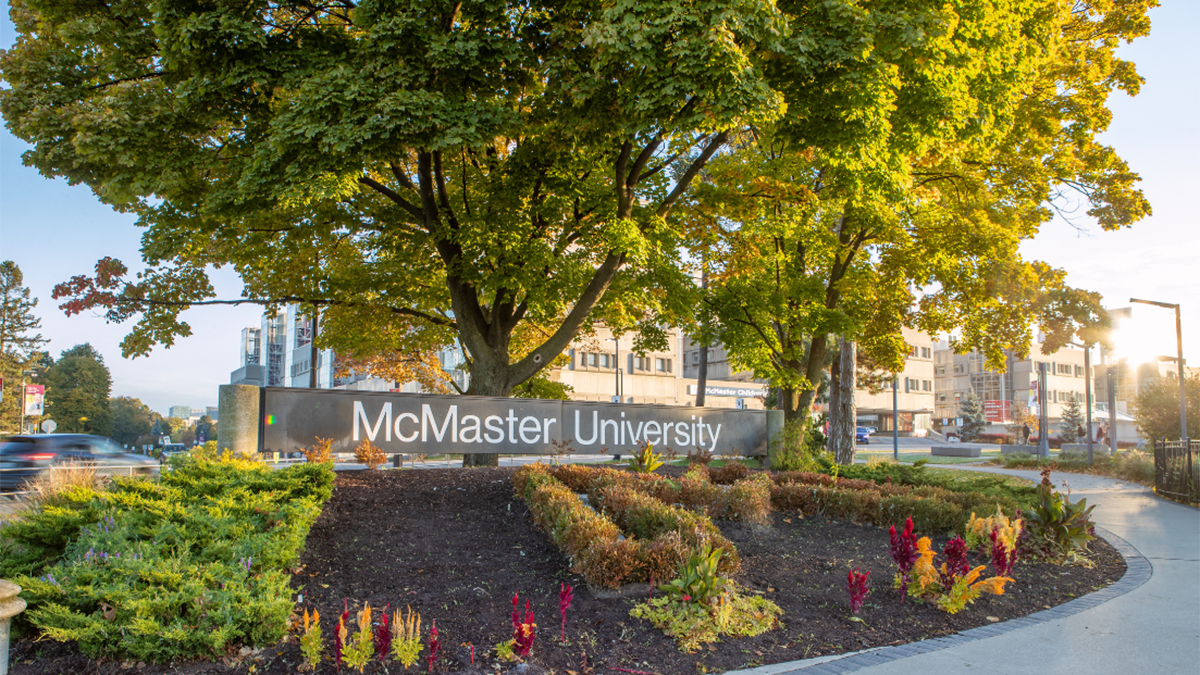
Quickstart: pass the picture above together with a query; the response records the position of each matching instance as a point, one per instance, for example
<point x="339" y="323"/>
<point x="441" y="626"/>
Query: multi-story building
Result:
<point x="600" y="368"/>
<point x="279" y="353"/>
<point x="914" y="385"/>
<point x="1129" y="378"/>
<point x="180" y="411"/>
<point x="1004" y="392"/>
<point x="914" y="395"/>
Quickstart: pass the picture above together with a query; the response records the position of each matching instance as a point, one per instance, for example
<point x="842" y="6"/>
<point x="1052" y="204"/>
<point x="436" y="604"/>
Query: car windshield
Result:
<point x="863" y="430"/>
<point x="103" y="446"/>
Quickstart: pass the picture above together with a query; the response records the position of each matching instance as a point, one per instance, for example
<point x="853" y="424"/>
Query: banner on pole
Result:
<point x="35" y="395"/>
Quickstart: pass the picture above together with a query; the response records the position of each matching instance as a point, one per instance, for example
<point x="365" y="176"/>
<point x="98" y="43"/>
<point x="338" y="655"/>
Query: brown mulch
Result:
<point x="456" y="545"/>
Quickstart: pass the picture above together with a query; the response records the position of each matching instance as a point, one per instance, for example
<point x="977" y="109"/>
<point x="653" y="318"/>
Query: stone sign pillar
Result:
<point x="237" y="430"/>
<point x="10" y="606"/>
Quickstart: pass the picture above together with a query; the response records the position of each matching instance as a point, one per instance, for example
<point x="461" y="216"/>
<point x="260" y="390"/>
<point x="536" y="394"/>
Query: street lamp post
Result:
<point x="1087" y="388"/>
<point x="617" y="367"/>
<point x="1179" y="362"/>
<point x="896" y="420"/>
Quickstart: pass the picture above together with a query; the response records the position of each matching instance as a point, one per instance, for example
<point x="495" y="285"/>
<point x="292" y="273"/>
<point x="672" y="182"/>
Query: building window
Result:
<point x="1078" y="371"/>
<point x="695" y="357"/>
<point x="662" y="365"/>
<point x="941" y="397"/>
<point x="591" y="360"/>
<point x="925" y="352"/>
<point x="926" y="385"/>
<point x="958" y="368"/>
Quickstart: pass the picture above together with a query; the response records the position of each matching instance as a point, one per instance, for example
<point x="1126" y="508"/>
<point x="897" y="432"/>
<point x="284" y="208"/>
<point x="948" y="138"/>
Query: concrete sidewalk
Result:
<point x="1149" y="621"/>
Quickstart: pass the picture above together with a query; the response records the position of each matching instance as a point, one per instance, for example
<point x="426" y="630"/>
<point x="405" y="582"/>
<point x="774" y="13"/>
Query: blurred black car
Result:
<point x="22" y="458"/>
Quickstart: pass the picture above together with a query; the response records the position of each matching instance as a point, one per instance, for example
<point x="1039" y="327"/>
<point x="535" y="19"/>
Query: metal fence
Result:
<point x="103" y="470"/>
<point x="1177" y="469"/>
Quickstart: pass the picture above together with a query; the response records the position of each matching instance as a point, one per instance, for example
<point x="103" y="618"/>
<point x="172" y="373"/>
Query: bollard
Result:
<point x="10" y="606"/>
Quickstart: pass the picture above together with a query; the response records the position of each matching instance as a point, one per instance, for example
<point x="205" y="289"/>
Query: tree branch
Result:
<point x="685" y="180"/>
<point x="394" y="196"/>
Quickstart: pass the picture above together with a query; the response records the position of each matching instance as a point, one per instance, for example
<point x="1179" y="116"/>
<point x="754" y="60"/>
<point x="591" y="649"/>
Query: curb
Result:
<point x="1137" y="572"/>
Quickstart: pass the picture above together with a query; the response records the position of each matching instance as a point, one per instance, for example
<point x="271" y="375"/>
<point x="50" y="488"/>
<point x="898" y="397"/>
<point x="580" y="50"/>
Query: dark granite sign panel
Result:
<point x="431" y="424"/>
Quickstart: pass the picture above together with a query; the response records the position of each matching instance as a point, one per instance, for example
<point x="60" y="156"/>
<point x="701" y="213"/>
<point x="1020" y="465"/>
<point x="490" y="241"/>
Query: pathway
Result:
<point x="1149" y="621"/>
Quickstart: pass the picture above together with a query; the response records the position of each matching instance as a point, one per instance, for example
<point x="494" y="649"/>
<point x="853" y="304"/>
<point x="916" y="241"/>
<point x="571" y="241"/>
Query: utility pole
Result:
<point x="1087" y="374"/>
<point x="1043" y="413"/>
<point x="895" y="420"/>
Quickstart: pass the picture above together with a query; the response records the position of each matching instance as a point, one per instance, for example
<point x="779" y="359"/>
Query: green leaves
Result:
<point x="189" y="566"/>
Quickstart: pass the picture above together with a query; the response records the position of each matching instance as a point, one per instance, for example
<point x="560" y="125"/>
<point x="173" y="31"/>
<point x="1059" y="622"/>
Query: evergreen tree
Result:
<point x="974" y="421"/>
<point x="1072" y="421"/>
<point x="77" y="390"/>
<point x="18" y="341"/>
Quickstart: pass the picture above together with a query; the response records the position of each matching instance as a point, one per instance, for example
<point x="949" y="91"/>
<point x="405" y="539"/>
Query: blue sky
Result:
<point x="54" y="231"/>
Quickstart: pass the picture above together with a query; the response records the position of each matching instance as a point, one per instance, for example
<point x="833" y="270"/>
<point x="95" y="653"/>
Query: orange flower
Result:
<point x="993" y="585"/>
<point x="923" y="569"/>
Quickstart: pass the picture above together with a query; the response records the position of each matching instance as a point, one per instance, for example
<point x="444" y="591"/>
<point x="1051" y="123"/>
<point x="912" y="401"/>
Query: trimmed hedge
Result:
<point x="631" y="536"/>
<point x="934" y="510"/>
<point x="191" y="565"/>
<point x="746" y="500"/>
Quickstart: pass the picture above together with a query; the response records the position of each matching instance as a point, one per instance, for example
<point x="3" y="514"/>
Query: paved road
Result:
<point x="1149" y="622"/>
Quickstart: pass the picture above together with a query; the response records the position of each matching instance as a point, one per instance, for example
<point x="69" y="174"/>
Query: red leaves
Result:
<point x="955" y="551"/>
<point x="383" y="636"/>
<point x="904" y="552"/>
<point x="856" y="584"/>
<point x="1002" y="558"/>
<point x="522" y="630"/>
<point x="87" y="292"/>
<point x="566" y="594"/>
<point x="435" y="647"/>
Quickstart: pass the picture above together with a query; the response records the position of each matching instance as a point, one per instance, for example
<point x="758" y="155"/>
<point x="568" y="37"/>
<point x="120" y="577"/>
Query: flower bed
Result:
<point x="630" y="537"/>
<point x="191" y="565"/>
<point x="456" y="546"/>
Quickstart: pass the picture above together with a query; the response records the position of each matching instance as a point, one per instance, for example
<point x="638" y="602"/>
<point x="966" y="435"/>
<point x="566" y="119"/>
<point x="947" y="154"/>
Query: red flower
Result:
<point x="565" y="595"/>
<point x="857" y="585"/>
<point x="434" y="646"/>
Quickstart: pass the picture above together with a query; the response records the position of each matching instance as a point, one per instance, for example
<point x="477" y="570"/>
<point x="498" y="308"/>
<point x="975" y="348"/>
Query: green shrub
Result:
<point x="932" y="509"/>
<point x="749" y="500"/>
<point x="799" y="447"/>
<point x="643" y="516"/>
<point x="729" y="474"/>
<point x="191" y="565"/>
<point x="1057" y="526"/>
<point x="657" y="537"/>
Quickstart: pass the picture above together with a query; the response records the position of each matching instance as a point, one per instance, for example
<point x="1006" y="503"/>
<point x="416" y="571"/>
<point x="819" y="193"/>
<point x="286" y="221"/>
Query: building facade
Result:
<point x="1005" y="392"/>
<point x="600" y="368"/>
<point x="914" y="395"/>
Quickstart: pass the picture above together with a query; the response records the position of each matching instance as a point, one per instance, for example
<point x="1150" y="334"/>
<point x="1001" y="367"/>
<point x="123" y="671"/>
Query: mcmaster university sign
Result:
<point x="424" y="423"/>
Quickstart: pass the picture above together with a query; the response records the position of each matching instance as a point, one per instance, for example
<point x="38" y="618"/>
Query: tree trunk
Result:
<point x="813" y="370"/>
<point x="702" y="371"/>
<point x="843" y="418"/>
